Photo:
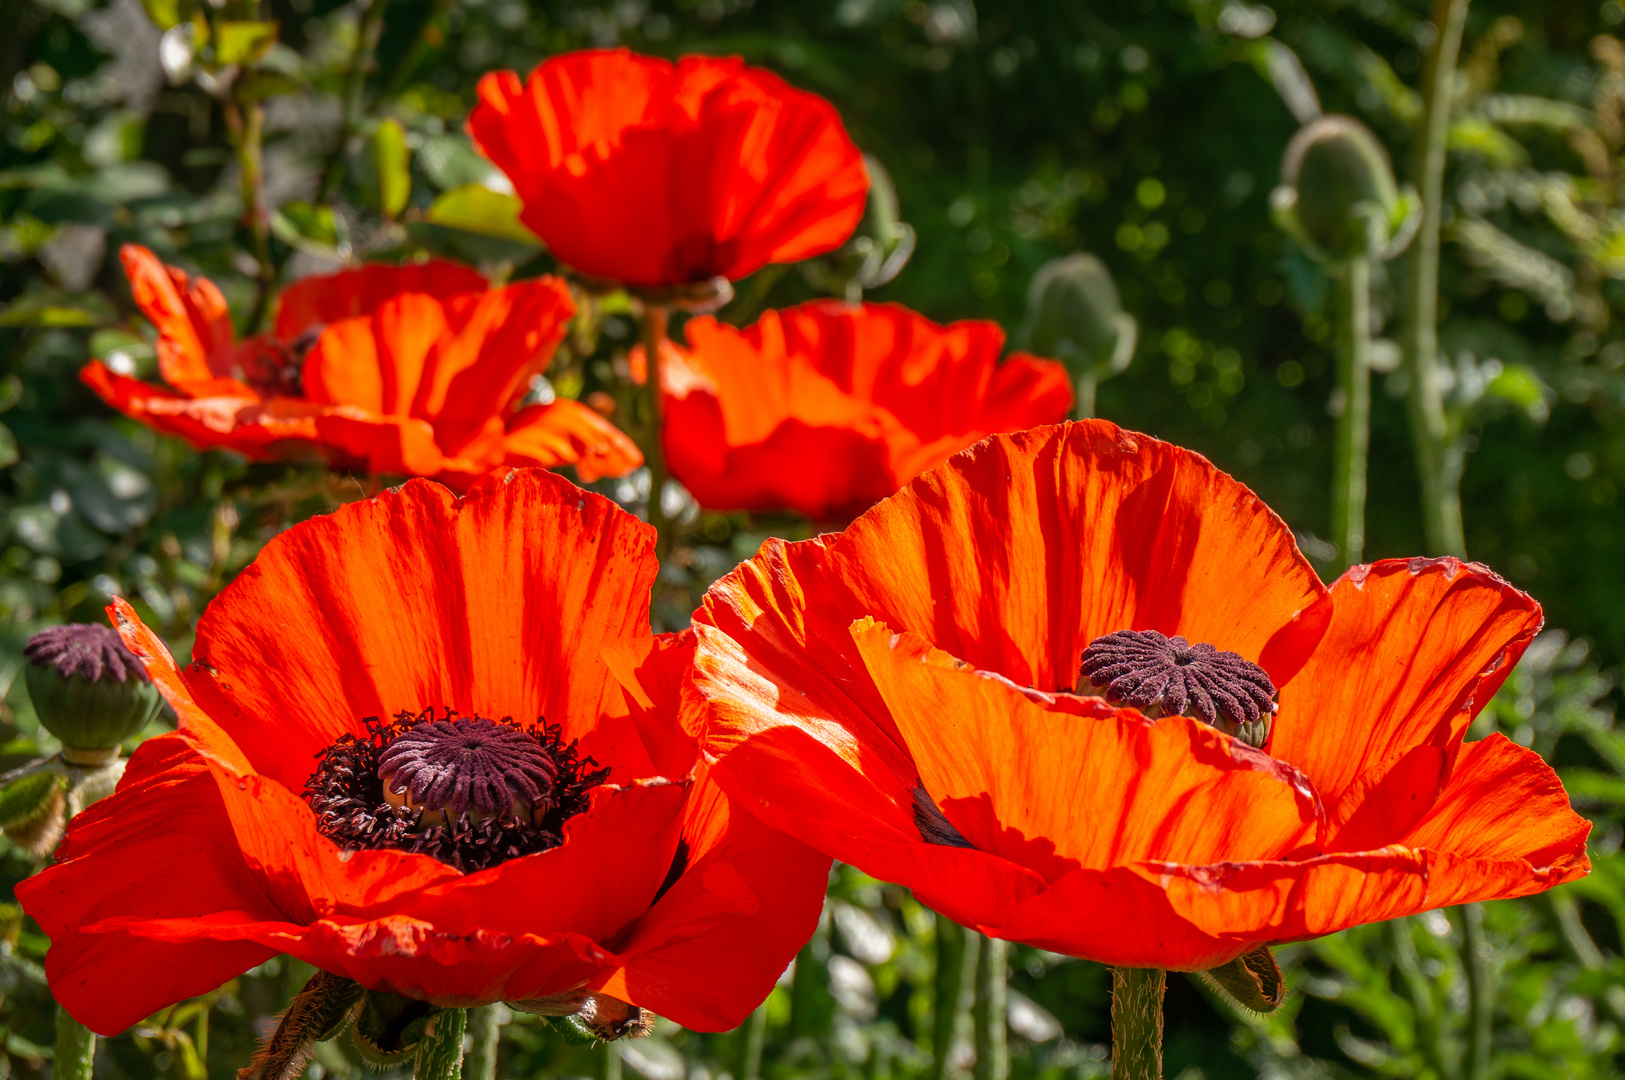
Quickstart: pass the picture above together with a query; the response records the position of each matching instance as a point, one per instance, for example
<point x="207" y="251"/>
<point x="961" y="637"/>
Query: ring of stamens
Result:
<point x="1164" y="676"/>
<point x="469" y="791"/>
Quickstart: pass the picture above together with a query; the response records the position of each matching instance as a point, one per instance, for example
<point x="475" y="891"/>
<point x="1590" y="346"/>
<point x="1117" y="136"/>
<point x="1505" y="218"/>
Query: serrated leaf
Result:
<point x="167" y="13"/>
<point x="477" y="209"/>
<point x="243" y="42"/>
<point x="393" y="161"/>
<point x="1519" y="385"/>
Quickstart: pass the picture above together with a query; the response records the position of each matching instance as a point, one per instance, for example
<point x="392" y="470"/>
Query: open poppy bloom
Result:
<point x="409" y="370"/>
<point x="403" y="758"/>
<point x="904" y="697"/>
<point x="651" y="173"/>
<point x="828" y="407"/>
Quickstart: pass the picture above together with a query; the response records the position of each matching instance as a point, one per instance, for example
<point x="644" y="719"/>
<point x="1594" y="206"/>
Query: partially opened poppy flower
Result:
<point x="829" y="407"/>
<point x="651" y="173"/>
<point x="1039" y="687"/>
<point x="408" y="370"/>
<point x="403" y="758"/>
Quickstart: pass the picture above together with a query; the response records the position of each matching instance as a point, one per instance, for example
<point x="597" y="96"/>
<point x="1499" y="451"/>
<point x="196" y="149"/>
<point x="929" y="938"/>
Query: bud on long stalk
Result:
<point x="1074" y="314"/>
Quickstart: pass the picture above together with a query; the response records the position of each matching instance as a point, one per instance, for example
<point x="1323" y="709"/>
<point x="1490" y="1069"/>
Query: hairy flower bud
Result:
<point x="88" y="690"/>
<point x="1075" y="315"/>
<point x="1338" y="195"/>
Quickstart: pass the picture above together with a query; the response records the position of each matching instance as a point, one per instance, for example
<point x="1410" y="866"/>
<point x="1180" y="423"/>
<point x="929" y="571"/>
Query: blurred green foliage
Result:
<point x="1148" y="133"/>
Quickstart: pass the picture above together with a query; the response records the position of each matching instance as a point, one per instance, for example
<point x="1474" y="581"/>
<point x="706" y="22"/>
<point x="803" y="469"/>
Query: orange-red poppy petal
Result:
<point x="566" y="432"/>
<point x="177" y="858"/>
<point x="827" y="407"/>
<point x="747" y="898"/>
<point x="492" y="604"/>
<point x="194" y="325"/>
<point x="642" y="171"/>
<point x="1056" y="782"/>
<point x="321" y="299"/>
<point x="1413" y="651"/>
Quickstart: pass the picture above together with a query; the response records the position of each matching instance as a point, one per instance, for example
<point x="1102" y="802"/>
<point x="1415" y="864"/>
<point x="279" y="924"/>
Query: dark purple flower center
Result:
<point x="469" y="791"/>
<point x="92" y="652"/>
<point x="1164" y="676"/>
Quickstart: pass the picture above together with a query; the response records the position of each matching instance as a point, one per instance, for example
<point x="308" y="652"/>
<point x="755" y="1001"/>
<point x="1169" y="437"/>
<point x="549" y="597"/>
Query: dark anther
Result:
<point x="474" y="766"/>
<point x="1164" y="676"/>
<point x="92" y="652"/>
<point x="470" y="792"/>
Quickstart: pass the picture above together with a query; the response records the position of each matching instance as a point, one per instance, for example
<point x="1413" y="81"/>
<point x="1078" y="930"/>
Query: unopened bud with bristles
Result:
<point x="1338" y="196"/>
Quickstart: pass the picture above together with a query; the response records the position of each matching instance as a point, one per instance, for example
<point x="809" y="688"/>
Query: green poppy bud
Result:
<point x="1337" y="191"/>
<point x="88" y="690"/>
<point x="1075" y="315"/>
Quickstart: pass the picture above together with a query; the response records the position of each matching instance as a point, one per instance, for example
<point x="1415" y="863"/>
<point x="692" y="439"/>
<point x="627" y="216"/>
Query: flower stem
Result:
<point x="483" y="1026"/>
<point x="366" y="43"/>
<point x="440" y="1054"/>
<point x="992" y="1048"/>
<point x="1354" y="422"/>
<point x="75" y="1048"/>
<point x="753" y="1033"/>
<point x="612" y="1061"/>
<point x="954" y="990"/>
<point x="656" y="318"/>
<point x="1137" y="1023"/>
<point x="1083" y="406"/>
<point x="1438" y="458"/>
<point x="246" y="122"/>
<point x="1475" y="958"/>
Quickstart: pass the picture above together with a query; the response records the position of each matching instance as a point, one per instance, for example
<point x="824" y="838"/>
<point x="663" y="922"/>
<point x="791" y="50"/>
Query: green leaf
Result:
<point x="243" y="42"/>
<point x="1519" y="385"/>
<point x="25" y="314"/>
<point x="476" y="209"/>
<point x="8" y="447"/>
<point x="311" y="229"/>
<point x="167" y="13"/>
<point x="393" y="161"/>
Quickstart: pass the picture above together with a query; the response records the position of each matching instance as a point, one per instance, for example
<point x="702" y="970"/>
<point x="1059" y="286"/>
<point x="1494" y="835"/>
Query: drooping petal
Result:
<point x="747" y="898"/>
<point x="828" y="407"/>
<point x="161" y="848"/>
<point x="641" y="171"/>
<point x="566" y="432"/>
<point x="323" y="299"/>
<point x="493" y="605"/>
<point x="1041" y="780"/>
<point x="1413" y="651"/>
<point x="235" y="419"/>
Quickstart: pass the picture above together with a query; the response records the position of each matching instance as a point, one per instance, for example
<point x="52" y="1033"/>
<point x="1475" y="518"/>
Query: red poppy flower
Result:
<point x="405" y="370"/>
<point x="266" y="824"/>
<point x="901" y="696"/>
<point x="828" y="407"/>
<point x="652" y="173"/>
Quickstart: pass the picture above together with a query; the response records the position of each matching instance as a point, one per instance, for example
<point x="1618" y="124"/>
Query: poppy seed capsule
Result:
<point x="470" y="768"/>
<point x="88" y="689"/>
<point x="1334" y="178"/>
<point x="1168" y="676"/>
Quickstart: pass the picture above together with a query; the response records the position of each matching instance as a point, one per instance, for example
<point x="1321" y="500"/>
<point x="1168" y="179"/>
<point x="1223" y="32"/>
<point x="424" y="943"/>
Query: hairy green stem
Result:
<point x="246" y="122"/>
<point x="955" y="990"/>
<point x="1083" y="406"/>
<point x="656" y="318"/>
<point x="992" y="1007"/>
<point x="753" y="1033"/>
<point x="612" y="1061"/>
<point x="1354" y="422"/>
<point x="440" y="1054"/>
<point x="486" y="1032"/>
<point x="75" y="1048"/>
<point x="1437" y="455"/>
<point x="1137" y="1023"/>
<point x="355" y="81"/>
<point x="1475" y="959"/>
